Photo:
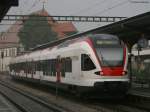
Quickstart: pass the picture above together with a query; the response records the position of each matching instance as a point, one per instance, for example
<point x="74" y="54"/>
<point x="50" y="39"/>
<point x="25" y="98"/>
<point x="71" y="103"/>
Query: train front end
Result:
<point x="111" y="58"/>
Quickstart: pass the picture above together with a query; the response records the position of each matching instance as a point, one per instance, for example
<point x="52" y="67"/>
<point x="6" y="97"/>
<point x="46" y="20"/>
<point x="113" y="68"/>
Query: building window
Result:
<point x="5" y="53"/>
<point x="8" y="52"/>
<point x="13" y="52"/>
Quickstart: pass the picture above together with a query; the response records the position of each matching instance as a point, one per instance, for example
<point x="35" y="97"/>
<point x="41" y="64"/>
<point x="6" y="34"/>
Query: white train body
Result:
<point x="77" y="63"/>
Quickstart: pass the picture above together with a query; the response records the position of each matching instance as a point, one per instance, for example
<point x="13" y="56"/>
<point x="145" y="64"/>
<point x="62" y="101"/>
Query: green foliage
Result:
<point x="35" y="32"/>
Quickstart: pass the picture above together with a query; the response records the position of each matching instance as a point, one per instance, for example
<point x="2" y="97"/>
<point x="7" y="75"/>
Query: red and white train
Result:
<point x="92" y="63"/>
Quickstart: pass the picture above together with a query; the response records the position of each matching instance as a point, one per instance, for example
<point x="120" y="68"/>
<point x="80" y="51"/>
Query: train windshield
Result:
<point x="109" y="50"/>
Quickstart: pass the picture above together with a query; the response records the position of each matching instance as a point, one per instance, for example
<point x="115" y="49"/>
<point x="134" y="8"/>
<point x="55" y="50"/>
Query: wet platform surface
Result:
<point x="6" y="106"/>
<point x="142" y="90"/>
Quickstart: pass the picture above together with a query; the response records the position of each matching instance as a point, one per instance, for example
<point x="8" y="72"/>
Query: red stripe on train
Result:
<point x="115" y="71"/>
<point x="112" y="71"/>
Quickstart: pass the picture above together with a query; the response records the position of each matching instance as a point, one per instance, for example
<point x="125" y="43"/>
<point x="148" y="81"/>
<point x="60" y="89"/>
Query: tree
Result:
<point x="35" y="32"/>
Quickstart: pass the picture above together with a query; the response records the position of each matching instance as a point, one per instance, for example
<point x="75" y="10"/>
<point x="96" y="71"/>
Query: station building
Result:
<point x="9" y="40"/>
<point x="9" y="46"/>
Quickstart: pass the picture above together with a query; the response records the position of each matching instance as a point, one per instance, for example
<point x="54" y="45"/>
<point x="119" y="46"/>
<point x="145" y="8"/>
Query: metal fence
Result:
<point x="141" y="72"/>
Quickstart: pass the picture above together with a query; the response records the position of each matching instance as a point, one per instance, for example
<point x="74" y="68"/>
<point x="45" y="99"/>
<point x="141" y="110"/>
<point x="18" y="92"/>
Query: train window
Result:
<point x="16" y="67"/>
<point x="63" y="67"/>
<point x="53" y="67"/>
<point x="28" y="67"/>
<point x="86" y="63"/>
<point x="11" y="67"/>
<point x="44" y="67"/>
<point x="68" y="63"/>
<point x="23" y="66"/>
<point x="33" y="67"/>
<point x="47" y="67"/>
<point x="38" y="66"/>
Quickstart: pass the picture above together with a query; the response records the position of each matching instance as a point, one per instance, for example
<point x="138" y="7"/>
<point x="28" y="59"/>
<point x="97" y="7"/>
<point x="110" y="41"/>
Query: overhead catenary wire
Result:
<point x="89" y="7"/>
<point x="112" y="7"/>
<point x="139" y="1"/>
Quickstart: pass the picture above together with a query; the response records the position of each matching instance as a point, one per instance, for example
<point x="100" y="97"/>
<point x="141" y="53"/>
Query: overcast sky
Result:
<point x="127" y="8"/>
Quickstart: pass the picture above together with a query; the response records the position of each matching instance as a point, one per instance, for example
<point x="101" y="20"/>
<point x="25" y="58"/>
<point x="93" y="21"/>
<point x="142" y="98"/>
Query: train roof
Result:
<point x="76" y="36"/>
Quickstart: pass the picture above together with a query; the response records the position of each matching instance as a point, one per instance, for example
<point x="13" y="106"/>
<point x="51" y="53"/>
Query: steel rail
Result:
<point x="23" y="107"/>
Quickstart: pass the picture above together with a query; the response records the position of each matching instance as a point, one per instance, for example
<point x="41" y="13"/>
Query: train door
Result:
<point x="75" y="68"/>
<point x="58" y="69"/>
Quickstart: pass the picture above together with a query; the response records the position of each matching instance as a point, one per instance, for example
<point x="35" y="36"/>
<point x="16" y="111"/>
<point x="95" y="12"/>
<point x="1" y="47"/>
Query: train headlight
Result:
<point x="99" y="73"/>
<point x="124" y="72"/>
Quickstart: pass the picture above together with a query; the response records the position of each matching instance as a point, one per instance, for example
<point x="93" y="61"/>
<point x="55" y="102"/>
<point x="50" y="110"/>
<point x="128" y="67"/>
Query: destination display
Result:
<point x="106" y="42"/>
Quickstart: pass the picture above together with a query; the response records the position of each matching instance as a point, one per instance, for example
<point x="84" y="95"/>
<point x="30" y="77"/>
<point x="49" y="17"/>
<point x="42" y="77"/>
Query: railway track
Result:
<point x="26" y="102"/>
<point x="109" y="106"/>
<point x="129" y="104"/>
<point x="125" y="105"/>
<point x="116" y="107"/>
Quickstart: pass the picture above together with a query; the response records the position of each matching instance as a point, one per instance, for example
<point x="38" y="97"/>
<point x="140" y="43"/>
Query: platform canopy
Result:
<point x="5" y="6"/>
<point x="129" y="30"/>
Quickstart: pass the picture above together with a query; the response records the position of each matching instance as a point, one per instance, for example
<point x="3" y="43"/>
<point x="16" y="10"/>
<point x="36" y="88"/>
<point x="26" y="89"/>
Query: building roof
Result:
<point x="10" y="38"/>
<point x="61" y="28"/>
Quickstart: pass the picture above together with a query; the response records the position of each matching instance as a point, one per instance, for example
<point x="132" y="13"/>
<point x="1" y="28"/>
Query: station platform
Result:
<point x="6" y="106"/>
<point x="140" y="90"/>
